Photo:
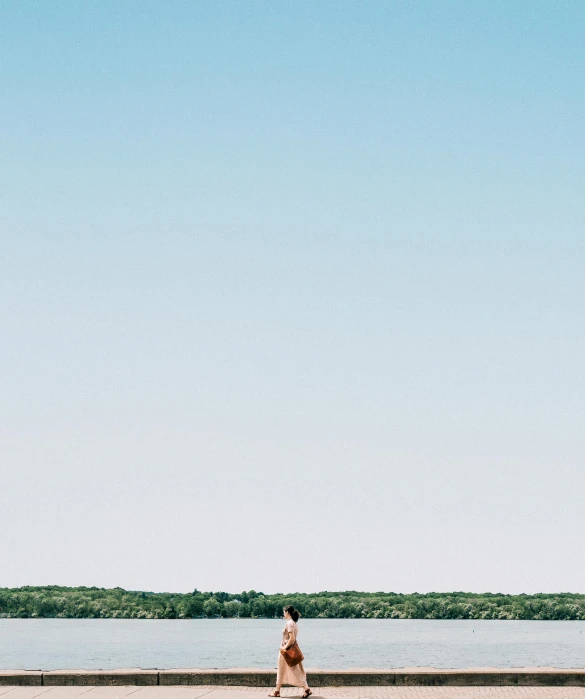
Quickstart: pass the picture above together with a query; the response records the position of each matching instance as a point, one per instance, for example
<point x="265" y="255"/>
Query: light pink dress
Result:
<point x="295" y="676"/>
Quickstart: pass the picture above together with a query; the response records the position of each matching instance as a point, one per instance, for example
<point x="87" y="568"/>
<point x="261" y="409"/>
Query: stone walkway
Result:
<point x="215" y="692"/>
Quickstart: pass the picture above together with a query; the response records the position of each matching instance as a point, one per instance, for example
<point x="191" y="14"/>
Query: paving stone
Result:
<point x="24" y="692"/>
<point x="108" y="692"/>
<point x="66" y="692"/>
<point x="192" y="692"/>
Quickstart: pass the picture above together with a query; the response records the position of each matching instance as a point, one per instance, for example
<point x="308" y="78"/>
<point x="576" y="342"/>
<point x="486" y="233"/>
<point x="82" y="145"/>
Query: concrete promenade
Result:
<point x="413" y="683"/>
<point x="217" y="692"/>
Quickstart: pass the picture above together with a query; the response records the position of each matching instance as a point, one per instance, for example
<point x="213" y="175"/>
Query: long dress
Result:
<point x="296" y="675"/>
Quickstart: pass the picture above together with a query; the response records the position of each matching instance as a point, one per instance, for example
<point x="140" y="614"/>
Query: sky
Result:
<point x="292" y="295"/>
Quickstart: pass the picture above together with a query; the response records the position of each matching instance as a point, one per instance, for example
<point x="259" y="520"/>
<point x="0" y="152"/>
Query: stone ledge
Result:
<point x="100" y="677"/>
<point x="431" y="677"/>
<point x="21" y="677"/>
<point x="246" y="677"/>
<point x="234" y="677"/>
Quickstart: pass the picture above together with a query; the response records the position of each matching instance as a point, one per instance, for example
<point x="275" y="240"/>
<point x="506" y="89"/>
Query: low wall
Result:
<point x="317" y="678"/>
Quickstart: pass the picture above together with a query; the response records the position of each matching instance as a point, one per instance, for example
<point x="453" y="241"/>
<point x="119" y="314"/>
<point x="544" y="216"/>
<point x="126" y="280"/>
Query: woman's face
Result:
<point x="286" y="614"/>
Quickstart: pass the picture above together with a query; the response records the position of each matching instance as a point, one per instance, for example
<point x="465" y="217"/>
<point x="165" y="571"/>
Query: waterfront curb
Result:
<point x="238" y="678"/>
<point x="548" y="677"/>
<point x="100" y="677"/>
<point x="19" y="678"/>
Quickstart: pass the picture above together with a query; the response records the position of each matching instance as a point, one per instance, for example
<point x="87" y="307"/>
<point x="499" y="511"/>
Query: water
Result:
<point x="51" y="644"/>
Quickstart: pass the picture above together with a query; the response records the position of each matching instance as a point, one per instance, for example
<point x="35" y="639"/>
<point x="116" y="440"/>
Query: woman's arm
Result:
<point x="292" y="637"/>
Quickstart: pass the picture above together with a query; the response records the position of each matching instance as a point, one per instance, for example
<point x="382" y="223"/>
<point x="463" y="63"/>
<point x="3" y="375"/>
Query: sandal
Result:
<point x="274" y="694"/>
<point x="307" y="693"/>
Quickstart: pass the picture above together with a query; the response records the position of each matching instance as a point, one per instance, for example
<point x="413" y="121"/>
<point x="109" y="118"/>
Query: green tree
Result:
<point x="212" y="608"/>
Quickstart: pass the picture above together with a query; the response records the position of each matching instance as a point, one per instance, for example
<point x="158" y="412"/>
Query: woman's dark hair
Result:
<point x="295" y="614"/>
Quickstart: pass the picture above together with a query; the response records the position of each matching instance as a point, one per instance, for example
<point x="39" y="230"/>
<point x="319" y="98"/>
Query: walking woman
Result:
<point x="295" y="675"/>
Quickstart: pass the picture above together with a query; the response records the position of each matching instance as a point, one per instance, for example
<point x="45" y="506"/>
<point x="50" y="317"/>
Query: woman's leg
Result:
<point x="302" y="677"/>
<point x="280" y="669"/>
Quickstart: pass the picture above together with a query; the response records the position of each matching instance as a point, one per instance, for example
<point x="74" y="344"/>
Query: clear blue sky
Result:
<point x="293" y="295"/>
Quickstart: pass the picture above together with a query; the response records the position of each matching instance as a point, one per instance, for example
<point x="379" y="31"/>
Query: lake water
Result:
<point x="51" y="644"/>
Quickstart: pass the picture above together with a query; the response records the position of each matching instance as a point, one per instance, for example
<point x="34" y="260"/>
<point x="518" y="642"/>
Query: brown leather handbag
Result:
<point x="293" y="655"/>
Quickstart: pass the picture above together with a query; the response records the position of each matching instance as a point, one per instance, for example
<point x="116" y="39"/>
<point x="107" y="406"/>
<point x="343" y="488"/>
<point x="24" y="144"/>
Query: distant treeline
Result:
<point x="98" y="603"/>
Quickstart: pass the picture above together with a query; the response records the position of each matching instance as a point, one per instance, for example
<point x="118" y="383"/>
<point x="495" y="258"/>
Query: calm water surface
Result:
<point x="50" y="644"/>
